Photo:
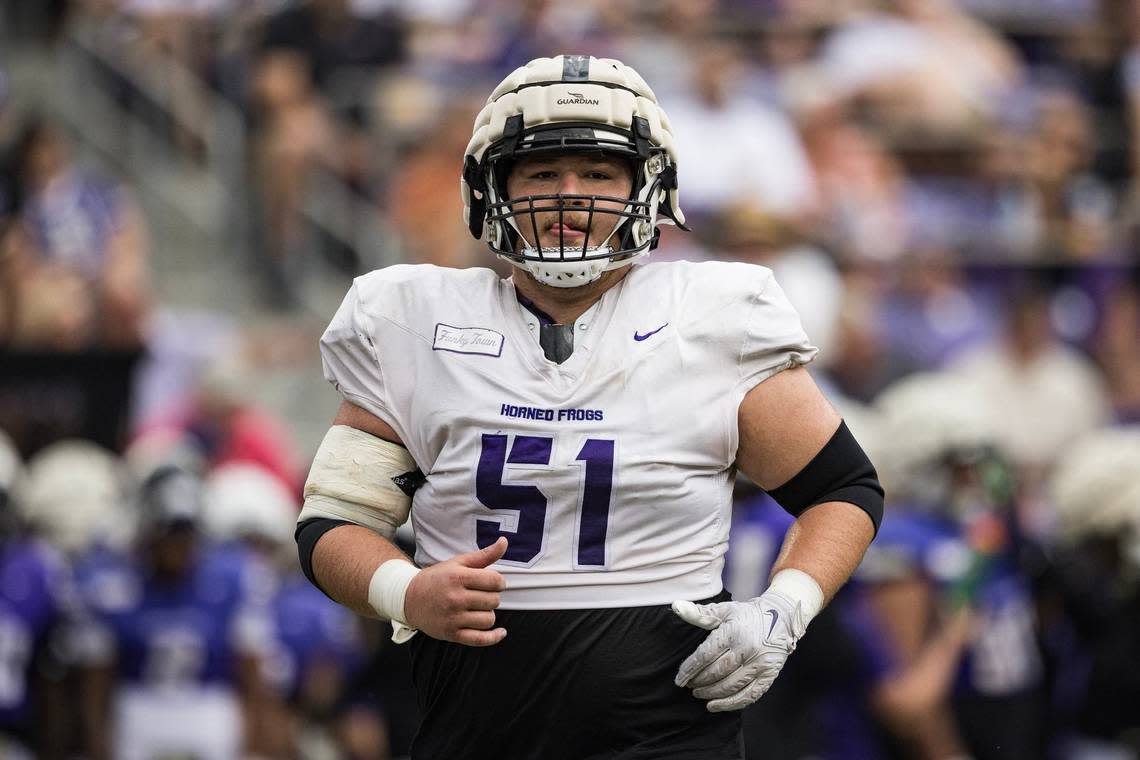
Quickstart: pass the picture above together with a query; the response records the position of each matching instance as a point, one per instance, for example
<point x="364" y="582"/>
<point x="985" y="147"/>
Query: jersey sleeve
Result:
<point x="350" y="360"/>
<point x="774" y="338"/>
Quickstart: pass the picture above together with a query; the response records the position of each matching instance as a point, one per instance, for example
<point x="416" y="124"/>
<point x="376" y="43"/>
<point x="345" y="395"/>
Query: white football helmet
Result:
<point x="932" y="422"/>
<point x="74" y="493"/>
<point x="567" y="104"/>
<point x="1096" y="485"/>
<point x="169" y="497"/>
<point x="245" y="501"/>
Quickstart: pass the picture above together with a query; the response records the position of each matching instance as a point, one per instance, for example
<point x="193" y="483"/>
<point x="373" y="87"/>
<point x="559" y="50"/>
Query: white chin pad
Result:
<point x="566" y="273"/>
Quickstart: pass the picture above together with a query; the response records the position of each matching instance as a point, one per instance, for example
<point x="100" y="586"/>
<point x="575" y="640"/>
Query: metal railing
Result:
<point x="92" y="65"/>
<point x="94" y="61"/>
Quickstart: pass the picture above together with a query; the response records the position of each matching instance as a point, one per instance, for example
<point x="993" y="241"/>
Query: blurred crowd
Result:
<point x="151" y="605"/>
<point x="946" y="190"/>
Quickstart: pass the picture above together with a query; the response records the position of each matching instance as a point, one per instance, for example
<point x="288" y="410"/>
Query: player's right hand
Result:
<point x="455" y="600"/>
<point x="749" y="644"/>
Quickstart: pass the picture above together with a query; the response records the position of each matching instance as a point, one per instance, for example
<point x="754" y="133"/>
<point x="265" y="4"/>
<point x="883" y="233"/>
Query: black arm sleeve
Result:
<point x="840" y="471"/>
<point x="307" y="535"/>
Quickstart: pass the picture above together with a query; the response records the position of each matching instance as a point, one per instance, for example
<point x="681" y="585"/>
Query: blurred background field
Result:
<point x="947" y="190"/>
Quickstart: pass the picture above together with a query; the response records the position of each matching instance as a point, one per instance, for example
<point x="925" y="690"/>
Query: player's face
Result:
<point x="570" y="175"/>
<point x="172" y="551"/>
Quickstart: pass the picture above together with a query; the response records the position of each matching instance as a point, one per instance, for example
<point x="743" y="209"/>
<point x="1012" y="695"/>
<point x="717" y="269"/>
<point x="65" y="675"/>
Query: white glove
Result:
<point x="749" y="644"/>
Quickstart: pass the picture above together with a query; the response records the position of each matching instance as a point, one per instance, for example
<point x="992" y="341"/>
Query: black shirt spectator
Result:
<point x="330" y="36"/>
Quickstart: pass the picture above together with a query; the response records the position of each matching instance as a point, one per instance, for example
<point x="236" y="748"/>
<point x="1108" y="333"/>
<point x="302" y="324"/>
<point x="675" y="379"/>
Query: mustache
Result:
<point x="576" y="221"/>
<point x="574" y="217"/>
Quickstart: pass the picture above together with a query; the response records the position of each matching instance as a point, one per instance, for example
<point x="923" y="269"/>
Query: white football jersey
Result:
<point x="610" y="474"/>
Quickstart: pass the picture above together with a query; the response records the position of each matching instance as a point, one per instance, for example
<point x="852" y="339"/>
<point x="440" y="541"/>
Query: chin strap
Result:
<point x="668" y="183"/>
<point x="474" y="179"/>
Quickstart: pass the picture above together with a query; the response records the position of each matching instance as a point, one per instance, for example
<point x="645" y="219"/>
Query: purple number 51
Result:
<point x="529" y="502"/>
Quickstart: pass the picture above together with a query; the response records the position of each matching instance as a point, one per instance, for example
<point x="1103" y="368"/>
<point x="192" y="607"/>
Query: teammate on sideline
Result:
<point x="566" y="441"/>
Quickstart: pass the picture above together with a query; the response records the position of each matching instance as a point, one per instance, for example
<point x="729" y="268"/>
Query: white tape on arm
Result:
<point x="799" y="587"/>
<point x="351" y="479"/>
<point x="389" y="586"/>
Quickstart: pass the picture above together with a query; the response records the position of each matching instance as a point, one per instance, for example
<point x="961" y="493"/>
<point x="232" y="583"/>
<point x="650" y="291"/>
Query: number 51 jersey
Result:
<point x="610" y="474"/>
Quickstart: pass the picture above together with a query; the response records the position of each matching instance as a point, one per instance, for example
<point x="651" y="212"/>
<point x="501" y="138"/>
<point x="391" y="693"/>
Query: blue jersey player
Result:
<point x="36" y="607"/>
<point x="176" y="637"/>
<point x="944" y="584"/>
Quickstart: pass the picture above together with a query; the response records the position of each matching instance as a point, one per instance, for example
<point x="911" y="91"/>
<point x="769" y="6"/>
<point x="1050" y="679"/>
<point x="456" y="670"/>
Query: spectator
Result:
<point x="1076" y="207"/>
<point x="294" y="136"/>
<point x="860" y="183"/>
<point x="1117" y="350"/>
<point x="75" y="264"/>
<point x="9" y="202"/>
<point x="1027" y="190"/>
<point x="178" y="32"/>
<point x="924" y="68"/>
<point x="330" y="38"/>
<point x="226" y="426"/>
<point x="1041" y="393"/>
<point x="993" y="209"/>
<point x="315" y="57"/>
<point x="417" y="210"/>
<point x="747" y="160"/>
<point x="863" y="361"/>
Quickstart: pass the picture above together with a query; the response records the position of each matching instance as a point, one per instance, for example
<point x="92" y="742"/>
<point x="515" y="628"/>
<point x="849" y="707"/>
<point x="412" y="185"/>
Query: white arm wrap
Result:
<point x="351" y="479"/>
<point x="799" y="587"/>
<point x="388" y="587"/>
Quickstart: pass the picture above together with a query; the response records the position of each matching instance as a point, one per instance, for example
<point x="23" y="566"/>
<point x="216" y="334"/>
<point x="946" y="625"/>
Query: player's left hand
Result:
<point x="749" y="643"/>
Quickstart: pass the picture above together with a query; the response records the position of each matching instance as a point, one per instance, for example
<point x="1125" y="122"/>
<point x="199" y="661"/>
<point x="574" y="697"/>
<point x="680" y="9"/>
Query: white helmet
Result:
<point x="571" y="103"/>
<point x="931" y="420"/>
<point x="74" y="493"/>
<point x="243" y="500"/>
<point x="1096" y="486"/>
<point x="168" y="497"/>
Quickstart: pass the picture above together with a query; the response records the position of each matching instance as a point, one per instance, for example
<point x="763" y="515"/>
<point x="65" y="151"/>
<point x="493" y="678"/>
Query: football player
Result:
<point x="566" y="442"/>
<point x="36" y="606"/>
<point x="944" y="584"/>
<point x="1090" y="595"/>
<point x="175" y="644"/>
<point x="316" y="645"/>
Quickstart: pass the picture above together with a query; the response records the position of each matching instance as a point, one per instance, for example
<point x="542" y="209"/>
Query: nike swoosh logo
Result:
<point x="638" y="336"/>
<point x="775" y="617"/>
